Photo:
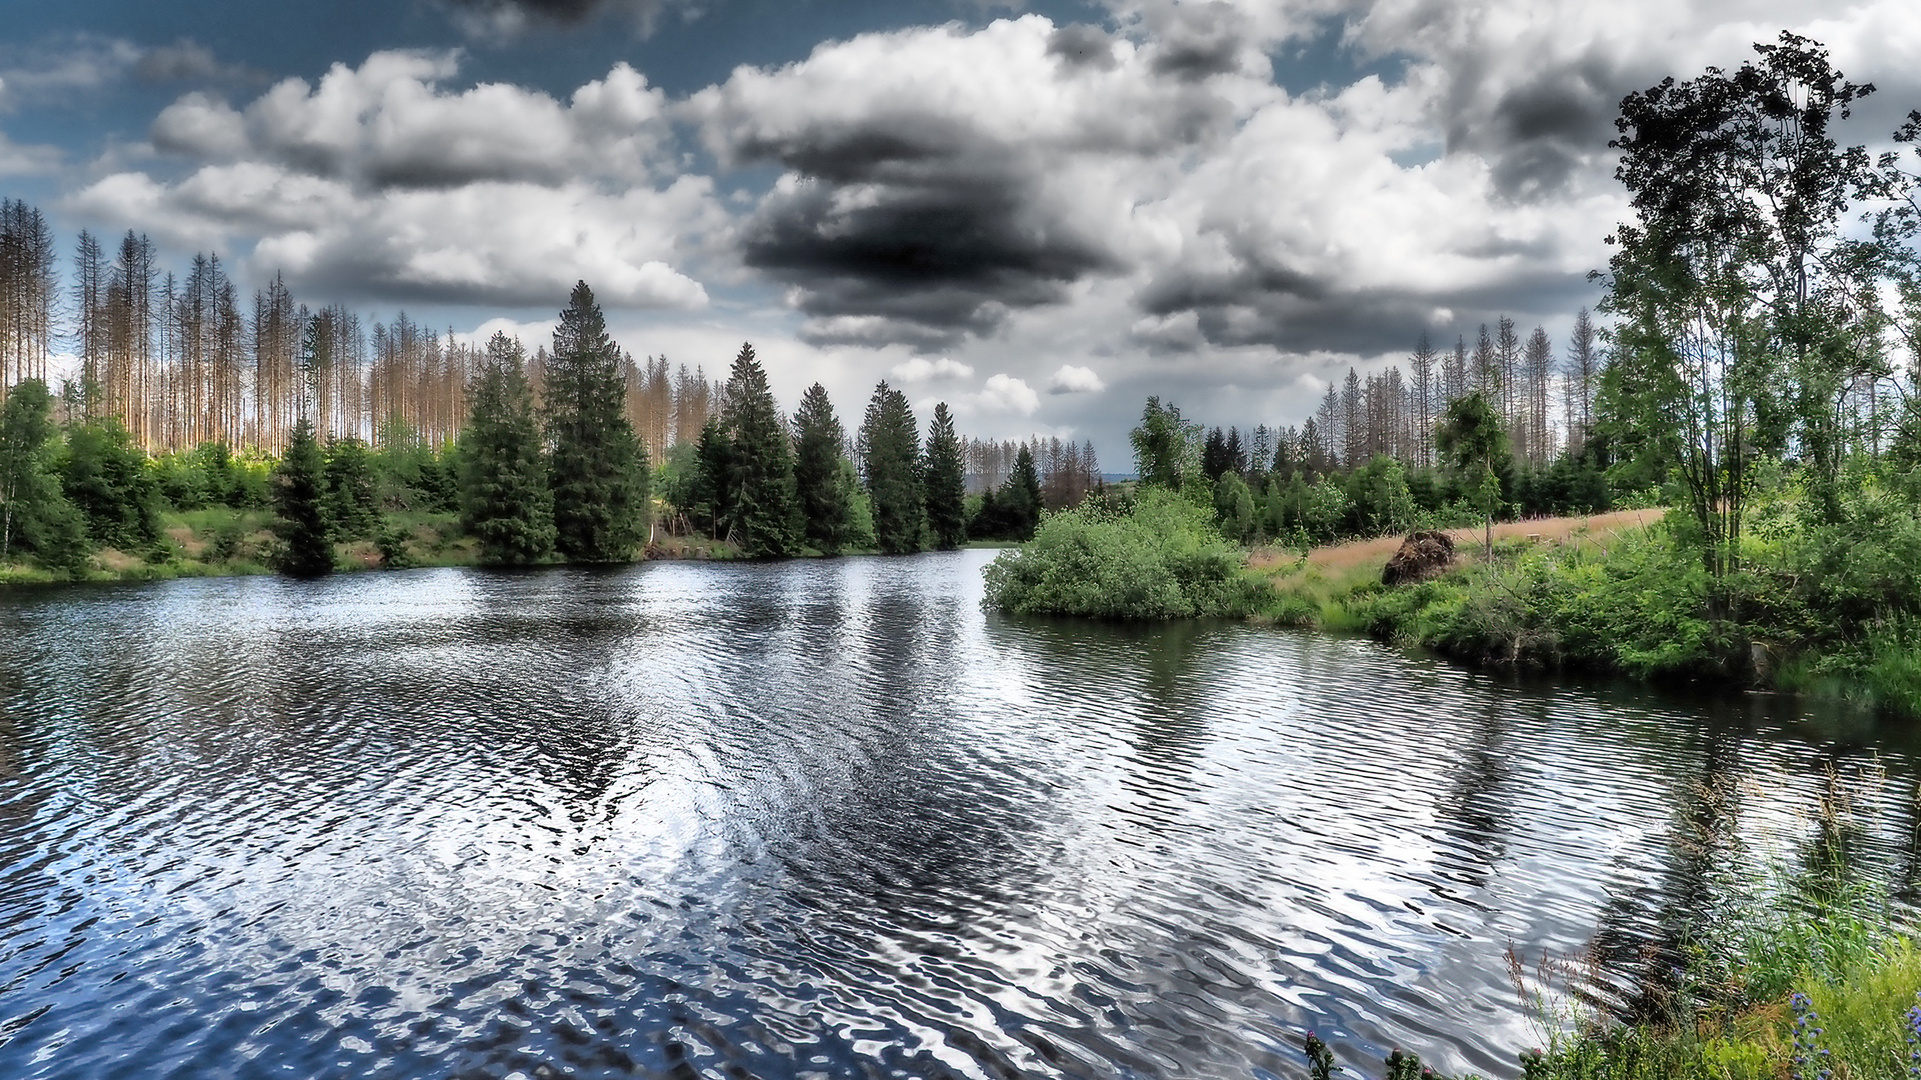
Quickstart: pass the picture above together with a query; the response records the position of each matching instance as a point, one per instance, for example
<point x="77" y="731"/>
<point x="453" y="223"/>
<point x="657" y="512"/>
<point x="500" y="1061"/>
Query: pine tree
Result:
<point x="890" y="455"/>
<point x="298" y="493"/>
<point x="599" y="469"/>
<point x="504" y="498"/>
<point x="762" y="479"/>
<point x="946" y="483"/>
<point x="824" y="508"/>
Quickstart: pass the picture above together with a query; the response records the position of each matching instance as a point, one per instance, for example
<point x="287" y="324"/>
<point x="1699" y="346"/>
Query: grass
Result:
<point x="1319" y="589"/>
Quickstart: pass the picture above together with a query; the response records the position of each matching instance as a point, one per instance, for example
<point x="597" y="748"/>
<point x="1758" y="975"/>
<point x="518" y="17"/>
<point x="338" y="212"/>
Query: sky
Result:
<point x="1040" y="213"/>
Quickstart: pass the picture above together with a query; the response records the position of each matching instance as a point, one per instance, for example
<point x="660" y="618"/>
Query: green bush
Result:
<point x="1163" y="559"/>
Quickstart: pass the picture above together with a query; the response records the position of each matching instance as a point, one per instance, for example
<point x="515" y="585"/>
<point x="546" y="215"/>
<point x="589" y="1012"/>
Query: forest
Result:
<point x="177" y="444"/>
<point x="1752" y="367"/>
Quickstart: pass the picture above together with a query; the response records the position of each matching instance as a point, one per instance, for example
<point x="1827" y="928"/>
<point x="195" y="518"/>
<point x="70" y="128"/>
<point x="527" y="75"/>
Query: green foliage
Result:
<point x="1234" y="509"/>
<point x="1380" y="499"/>
<point x="505" y="502"/>
<point x="34" y="514"/>
<point x="1166" y="447"/>
<point x="820" y="472"/>
<point x="1163" y="559"/>
<point x="761" y="475"/>
<point x="105" y="476"/>
<point x="1471" y="439"/>
<point x="711" y="497"/>
<point x="889" y="446"/>
<point x="599" y="472"/>
<point x="300" y="502"/>
<point x="349" y="500"/>
<point x="946" y="482"/>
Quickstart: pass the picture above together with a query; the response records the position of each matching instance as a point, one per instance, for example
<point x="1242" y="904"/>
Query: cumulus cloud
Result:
<point x="494" y="243"/>
<point x="1073" y="379"/>
<point x="388" y="123"/>
<point x="938" y="181"/>
<point x="1003" y="393"/>
<point x="383" y="181"/>
<point x="920" y="370"/>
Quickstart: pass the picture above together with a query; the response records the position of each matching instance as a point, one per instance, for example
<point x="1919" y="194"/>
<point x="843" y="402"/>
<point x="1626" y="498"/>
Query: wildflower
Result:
<point x="1320" y="1060"/>
<point x="1811" y="1060"/>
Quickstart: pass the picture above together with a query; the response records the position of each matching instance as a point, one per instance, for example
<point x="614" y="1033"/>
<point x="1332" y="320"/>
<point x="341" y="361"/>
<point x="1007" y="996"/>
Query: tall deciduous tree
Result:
<point x="32" y="508"/>
<point x="889" y="445"/>
<point x="946" y="482"/>
<point x="1734" y="284"/>
<point x="1471" y="439"/>
<point x="1163" y="444"/>
<point x="504" y="498"/>
<point x="599" y="469"/>
<point x="762" y="480"/>
<point x="825" y="512"/>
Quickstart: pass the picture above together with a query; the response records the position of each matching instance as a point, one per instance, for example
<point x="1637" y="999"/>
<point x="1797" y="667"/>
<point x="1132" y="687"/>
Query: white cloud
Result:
<point x="1073" y="379"/>
<point x="1003" y="393"/>
<point x="920" y="369"/>
<point x="27" y="159"/>
<point x="390" y="124"/>
<point x="380" y="182"/>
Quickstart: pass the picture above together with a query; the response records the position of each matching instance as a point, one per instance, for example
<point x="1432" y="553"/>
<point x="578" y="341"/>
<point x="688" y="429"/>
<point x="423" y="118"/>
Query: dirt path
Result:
<point x="1376" y="552"/>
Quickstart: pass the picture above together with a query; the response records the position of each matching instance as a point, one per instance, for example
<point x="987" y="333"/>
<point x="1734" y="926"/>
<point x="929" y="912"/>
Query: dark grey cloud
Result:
<point x="948" y="252"/>
<point x="918" y="207"/>
<point x="507" y="18"/>
<point x="187" y="60"/>
<point x="1195" y="41"/>
<point x="1292" y="312"/>
<point x="1082" y="44"/>
<point x="1542" y="132"/>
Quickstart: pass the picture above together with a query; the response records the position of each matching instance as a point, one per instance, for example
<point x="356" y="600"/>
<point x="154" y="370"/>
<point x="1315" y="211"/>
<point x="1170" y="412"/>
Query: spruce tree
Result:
<point x="762" y="478"/>
<point x="349" y="501"/>
<point x="890" y="456"/>
<point x="299" y="489"/>
<point x="599" y="469"/>
<point x="712" y="498"/>
<point x="504" y="499"/>
<point x="823" y="495"/>
<point x="946" y="483"/>
<point x="1020" y="499"/>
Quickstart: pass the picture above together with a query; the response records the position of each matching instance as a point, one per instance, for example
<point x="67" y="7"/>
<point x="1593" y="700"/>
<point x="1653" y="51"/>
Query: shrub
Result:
<point x="1161" y="560"/>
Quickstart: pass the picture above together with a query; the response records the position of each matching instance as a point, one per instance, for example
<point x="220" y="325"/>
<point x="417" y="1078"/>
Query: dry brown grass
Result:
<point x="1337" y="559"/>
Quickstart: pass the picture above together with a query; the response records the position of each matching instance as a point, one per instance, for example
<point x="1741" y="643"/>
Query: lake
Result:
<point x="829" y="819"/>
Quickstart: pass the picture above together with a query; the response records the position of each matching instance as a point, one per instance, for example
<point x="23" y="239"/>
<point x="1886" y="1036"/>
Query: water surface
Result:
<point x="822" y="819"/>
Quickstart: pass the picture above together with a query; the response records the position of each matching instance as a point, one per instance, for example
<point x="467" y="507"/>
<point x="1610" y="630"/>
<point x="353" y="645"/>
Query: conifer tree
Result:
<point x="504" y="498"/>
<point x="946" y="483"/>
<point x="599" y="469"/>
<point x="712" y="499"/>
<point x="1020" y="498"/>
<point x="298" y="492"/>
<point x="890" y="455"/>
<point x="824" y="506"/>
<point x="762" y="479"/>
<point x="349" y="501"/>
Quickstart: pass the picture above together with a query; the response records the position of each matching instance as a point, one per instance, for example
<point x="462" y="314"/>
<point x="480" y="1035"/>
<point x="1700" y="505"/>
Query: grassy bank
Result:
<point x="1620" y="595"/>
<point x="220" y="541"/>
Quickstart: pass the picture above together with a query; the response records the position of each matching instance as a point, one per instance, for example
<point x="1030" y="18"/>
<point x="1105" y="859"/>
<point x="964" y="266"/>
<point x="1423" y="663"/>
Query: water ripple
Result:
<point x="818" y="819"/>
